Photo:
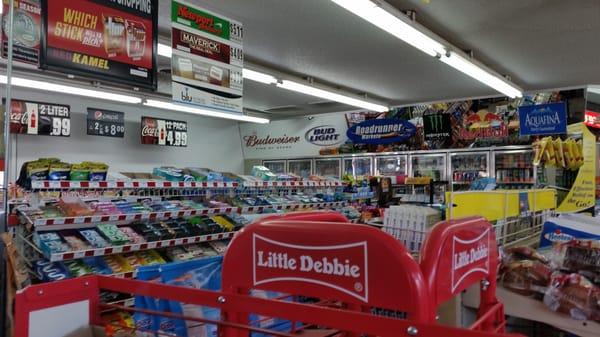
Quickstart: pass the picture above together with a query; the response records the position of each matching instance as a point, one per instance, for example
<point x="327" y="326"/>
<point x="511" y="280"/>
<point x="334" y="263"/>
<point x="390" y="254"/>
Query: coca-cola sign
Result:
<point x="339" y="267"/>
<point x="470" y="255"/>
<point x="36" y="118"/>
<point x="164" y="132"/>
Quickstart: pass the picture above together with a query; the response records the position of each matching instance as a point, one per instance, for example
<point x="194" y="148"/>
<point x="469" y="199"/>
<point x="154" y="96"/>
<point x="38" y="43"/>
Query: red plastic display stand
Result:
<point x="320" y="255"/>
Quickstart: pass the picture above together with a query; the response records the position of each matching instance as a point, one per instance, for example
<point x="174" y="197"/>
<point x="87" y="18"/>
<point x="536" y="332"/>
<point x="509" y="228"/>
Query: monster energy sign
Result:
<point x="437" y="126"/>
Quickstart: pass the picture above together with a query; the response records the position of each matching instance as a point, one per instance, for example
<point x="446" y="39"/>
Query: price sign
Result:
<point x="105" y="123"/>
<point x="164" y="132"/>
<point x="44" y="119"/>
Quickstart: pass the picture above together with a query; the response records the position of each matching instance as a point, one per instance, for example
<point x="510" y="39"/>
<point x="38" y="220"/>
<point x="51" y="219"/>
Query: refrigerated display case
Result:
<point x="328" y="167"/>
<point x="276" y="166"/>
<point x="513" y="169"/>
<point x="391" y="165"/>
<point x="466" y="167"/>
<point x="358" y="166"/>
<point x="428" y="165"/>
<point x="300" y="167"/>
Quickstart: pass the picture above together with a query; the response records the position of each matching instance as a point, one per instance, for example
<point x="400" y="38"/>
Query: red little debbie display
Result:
<point x="320" y="254"/>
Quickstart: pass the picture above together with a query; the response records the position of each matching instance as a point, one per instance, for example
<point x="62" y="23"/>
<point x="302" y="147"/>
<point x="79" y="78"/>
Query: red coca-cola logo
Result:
<point x="150" y="128"/>
<point x="339" y="267"/>
<point x="470" y="256"/>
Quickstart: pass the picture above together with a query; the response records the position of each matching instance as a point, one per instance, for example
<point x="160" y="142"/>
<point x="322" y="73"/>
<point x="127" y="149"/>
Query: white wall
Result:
<point x="212" y="143"/>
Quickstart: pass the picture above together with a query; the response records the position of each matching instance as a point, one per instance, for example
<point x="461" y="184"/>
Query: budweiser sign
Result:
<point x="340" y="267"/>
<point x="254" y="140"/>
<point x="470" y="256"/>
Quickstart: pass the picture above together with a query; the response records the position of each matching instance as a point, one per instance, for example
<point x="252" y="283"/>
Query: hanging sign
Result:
<point x="164" y="132"/>
<point x="543" y="119"/>
<point x="323" y="135"/>
<point x="44" y="119"/>
<point x="381" y="131"/>
<point x="27" y="30"/>
<point x="582" y="195"/>
<point x="207" y="60"/>
<point x="105" y="123"/>
<point x="107" y="39"/>
<point x="437" y="126"/>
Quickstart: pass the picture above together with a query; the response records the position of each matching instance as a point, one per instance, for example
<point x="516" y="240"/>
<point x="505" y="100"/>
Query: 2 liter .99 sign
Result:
<point x="35" y="118"/>
<point x="164" y="132"/>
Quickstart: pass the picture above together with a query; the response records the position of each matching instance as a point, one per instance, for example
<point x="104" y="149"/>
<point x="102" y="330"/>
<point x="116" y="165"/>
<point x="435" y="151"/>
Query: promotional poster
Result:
<point x="165" y="132"/>
<point x="105" y="39"/>
<point x="27" y="31"/>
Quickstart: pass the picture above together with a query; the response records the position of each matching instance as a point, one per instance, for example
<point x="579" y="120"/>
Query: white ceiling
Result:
<point x="539" y="43"/>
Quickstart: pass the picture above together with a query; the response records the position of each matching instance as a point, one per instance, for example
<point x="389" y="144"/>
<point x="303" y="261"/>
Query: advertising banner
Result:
<point x="107" y="39"/>
<point x="36" y="118"/>
<point x="165" y="132"/>
<point x="381" y="131"/>
<point x="207" y="58"/>
<point x="543" y="119"/>
<point x="437" y="126"/>
<point x="106" y="123"/>
<point x="27" y="31"/>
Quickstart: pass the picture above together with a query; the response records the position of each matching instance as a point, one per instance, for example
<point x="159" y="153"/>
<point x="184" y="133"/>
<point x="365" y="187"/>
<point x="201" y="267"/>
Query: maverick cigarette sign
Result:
<point x="339" y="267"/>
<point x="543" y="119"/>
<point x="108" y="39"/>
<point x="208" y="57"/>
<point x="381" y="131"/>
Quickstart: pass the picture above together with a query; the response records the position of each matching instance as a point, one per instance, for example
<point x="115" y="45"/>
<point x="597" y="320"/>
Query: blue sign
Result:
<point x="381" y="131"/>
<point x="543" y="119"/>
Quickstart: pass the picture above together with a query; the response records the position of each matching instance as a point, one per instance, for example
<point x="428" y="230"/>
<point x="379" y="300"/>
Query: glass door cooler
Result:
<point x="328" y="167"/>
<point x="514" y="169"/>
<point x="428" y="165"/>
<point x="391" y="165"/>
<point x="276" y="166"/>
<point x="300" y="167"/>
<point x="358" y="166"/>
<point x="466" y="167"/>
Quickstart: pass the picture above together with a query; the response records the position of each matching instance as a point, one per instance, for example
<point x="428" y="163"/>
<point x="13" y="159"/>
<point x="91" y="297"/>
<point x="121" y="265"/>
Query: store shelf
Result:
<point x="515" y="182"/>
<point x="90" y="221"/>
<point x="303" y="183"/>
<point x="258" y="209"/>
<point x="124" y="184"/>
<point x="528" y="308"/>
<point x="137" y="247"/>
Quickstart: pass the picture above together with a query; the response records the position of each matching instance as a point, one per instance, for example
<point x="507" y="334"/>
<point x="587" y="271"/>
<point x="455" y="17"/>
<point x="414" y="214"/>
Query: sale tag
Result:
<point x="164" y="132"/>
<point x="105" y="123"/>
<point x="35" y="118"/>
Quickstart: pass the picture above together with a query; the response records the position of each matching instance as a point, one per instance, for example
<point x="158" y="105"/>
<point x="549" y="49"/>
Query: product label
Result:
<point x="164" y="132"/>
<point x="543" y="119"/>
<point x="27" y="30"/>
<point x="111" y="38"/>
<point x="340" y="267"/>
<point x="105" y="123"/>
<point x="202" y="46"/>
<point x="44" y="119"/>
<point x="469" y="256"/>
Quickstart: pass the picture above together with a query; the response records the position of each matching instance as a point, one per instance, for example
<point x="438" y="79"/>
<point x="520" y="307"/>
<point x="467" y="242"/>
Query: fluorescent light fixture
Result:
<point x="397" y="25"/>
<point x="203" y="112"/>
<point x="164" y="50"/>
<point x="312" y="91"/>
<point x="258" y="77"/>
<point x="467" y="67"/>
<point x="70" y="90"/>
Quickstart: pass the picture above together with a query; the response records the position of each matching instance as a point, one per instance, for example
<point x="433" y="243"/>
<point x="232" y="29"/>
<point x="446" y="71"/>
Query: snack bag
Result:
<point x="145" y="321"/>
<point x="199" y="274"/>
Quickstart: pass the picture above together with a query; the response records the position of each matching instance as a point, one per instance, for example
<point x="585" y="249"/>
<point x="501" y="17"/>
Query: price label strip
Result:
<point x="164" y="132"/>
<point x="43" y="119"/>
<point x="105" y="123"/>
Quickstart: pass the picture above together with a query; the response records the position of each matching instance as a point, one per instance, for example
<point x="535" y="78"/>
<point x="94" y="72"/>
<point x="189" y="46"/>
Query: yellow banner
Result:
<point x="500" y="204"/>
<point x="583" y="192"/>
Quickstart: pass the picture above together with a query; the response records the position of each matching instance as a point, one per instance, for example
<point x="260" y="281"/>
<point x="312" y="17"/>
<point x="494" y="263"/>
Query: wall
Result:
<point x="212" y="143"/>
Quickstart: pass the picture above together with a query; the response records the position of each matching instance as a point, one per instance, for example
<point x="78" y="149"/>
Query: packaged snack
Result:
<point x="77" y="268"/>
<point x="113" y="234"/>
<point x="72" y="206"/>
<point x="178" y="254"/>
<point x="132" y="235"/>
<point x="94" y="238"/>
<point x="219" y="246"/>
<point x="79" y="172"/>
<point x="76" y="243"/>
<point x="59" y="171"/>
<point x="97" y="265"/>
<point x="117" y="264"/>
<point x="574" y="295"/>
<point x="577" y="255"/>
<point x="149" y="257"/>
<point x="132" y="260"/>
<point x="48" y="271"/>
<point x="226" y="224"/>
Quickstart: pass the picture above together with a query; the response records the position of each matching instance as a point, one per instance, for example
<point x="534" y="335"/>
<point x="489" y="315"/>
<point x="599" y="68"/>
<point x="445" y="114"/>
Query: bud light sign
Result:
<point x="543" y="119"/>
<point x="381" y="131"/>
<point x="324" y="135"/>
